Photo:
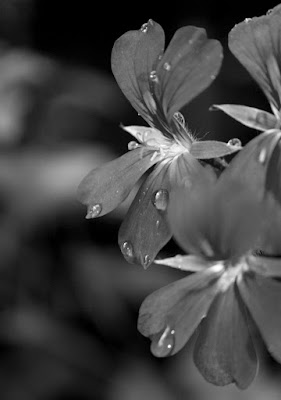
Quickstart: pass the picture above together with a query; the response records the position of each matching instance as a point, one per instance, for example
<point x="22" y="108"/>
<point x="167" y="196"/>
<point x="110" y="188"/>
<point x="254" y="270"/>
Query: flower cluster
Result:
<point x="228" y="225"/>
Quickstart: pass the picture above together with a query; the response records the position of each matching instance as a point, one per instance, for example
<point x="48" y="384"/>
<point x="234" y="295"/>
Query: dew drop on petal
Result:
<point x="144" y="27"/>
<point x="163" y="346"/>
<point x="160" y="199"/>
<point x="179" y="118"/>
<point x="127" y="250"/>
<point x="269" y="11"/>
<point x="167" y="66"/>
<point x="262" y="156"/>
<point x="146" y="261"/>
<point x="235" y="142"/>
<point x="133" y="145"/>
<point x="94" y="211"/>
<point x="153" y="76"/>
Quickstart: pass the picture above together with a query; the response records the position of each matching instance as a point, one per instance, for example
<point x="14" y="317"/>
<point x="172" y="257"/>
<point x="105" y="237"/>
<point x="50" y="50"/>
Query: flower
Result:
<point x="256" y="44"/>
<point x="219" y="226"/>
<point x="158" y="85"/>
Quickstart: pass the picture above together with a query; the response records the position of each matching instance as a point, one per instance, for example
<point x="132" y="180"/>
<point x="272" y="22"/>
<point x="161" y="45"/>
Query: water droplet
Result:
<point x="262" y="156"/>
<point x="163" y="346"/>
<point x="146" y="261"/>
<point x="179" y="118"/>
<point x="160" y="199"/>
<point x="144" y="28"/>
<point x="127" y="251"/>
<point x="167" y="66"/>
<point x="133" y="145"/>
<point x="235" y="142"/>
<point x="269" y="11"/>
<point x="94" y="211"/>
<point x="153" y="76"/>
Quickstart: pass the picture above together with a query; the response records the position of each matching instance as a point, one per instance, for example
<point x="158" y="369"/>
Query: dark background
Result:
<point x="69" y="302"/>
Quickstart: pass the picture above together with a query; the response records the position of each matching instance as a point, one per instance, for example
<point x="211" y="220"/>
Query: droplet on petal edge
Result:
<point x="179" y="118"/>
<point x="128" y="251"/>
<point x="262" y="156"/>
<point x="167" y="66"/>
<point x="146" y="261"/>
<point x="160" y="199"/>
<point x="94" y="211"/>
<point x="234" y="142"/>
<point x="153" y="76"/>
<point x="133" y="145"/>
<point x="144" y="27"/>
<point x="163" y="344"/>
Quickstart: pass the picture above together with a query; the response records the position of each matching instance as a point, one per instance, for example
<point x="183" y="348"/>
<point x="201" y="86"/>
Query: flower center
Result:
<point x="232" y="273"/>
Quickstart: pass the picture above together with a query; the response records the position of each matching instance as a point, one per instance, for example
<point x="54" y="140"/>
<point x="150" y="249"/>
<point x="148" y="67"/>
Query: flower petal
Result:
<point x="256" y="44"/>
<point x="212" y="149"/>
<point x="273" y="177"/>
<point x="134" y="56"/>
<point x="110" y="184"/>
<point x="150" y="136"/>
<point x="180" y="307"/>
<point x="145" y="227"/>
<point x="249" y="116"/>
<point x="266" y="266"/>
<point x="215" y="221"/>
<point x="188" y="263"/>
<point x="263" y="298"/>
<point x="189" y="65"/>
<point x="251" y="163"/>
<point x="224" y="352"/>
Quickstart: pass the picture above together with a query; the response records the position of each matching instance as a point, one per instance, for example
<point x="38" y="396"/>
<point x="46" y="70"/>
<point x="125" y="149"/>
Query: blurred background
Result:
<point x="69" y="302"/>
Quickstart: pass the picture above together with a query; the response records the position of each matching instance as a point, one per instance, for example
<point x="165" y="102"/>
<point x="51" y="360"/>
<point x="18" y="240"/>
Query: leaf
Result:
<point x="188" y="66"/>
<point x="249" y="116"/>
<point x="262" y="296"/>
<point x="145" y="227"/>
<point x="133" y="57"/>
<point x="111" y="183"/>
<point x="256" y="44"/>
<point x="180" y="306"/>
<point x="224" y="351"/>
<point x="211" y="149"/>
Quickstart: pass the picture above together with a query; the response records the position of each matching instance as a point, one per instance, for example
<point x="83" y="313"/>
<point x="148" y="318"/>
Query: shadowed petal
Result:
<point x="251" y="163"/>
<point x="145" y="226"/>
<point x="249" y="116"/>
<point x="212" y="149"/>
<point x="134" y="56"/>
<point x="179" y="306"/>
<point x="273" y="173"/>
<point x="216" y="221"/>
<point x="256" y="44"/>
<point x="224" y="352"/>
<point x="111" y="183"/>
<point x="262" y="296"/>
<point x="189" y="65"/>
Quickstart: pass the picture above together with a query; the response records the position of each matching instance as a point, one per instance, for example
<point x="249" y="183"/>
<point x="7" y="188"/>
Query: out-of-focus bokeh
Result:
<point x="68" y="301"/>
